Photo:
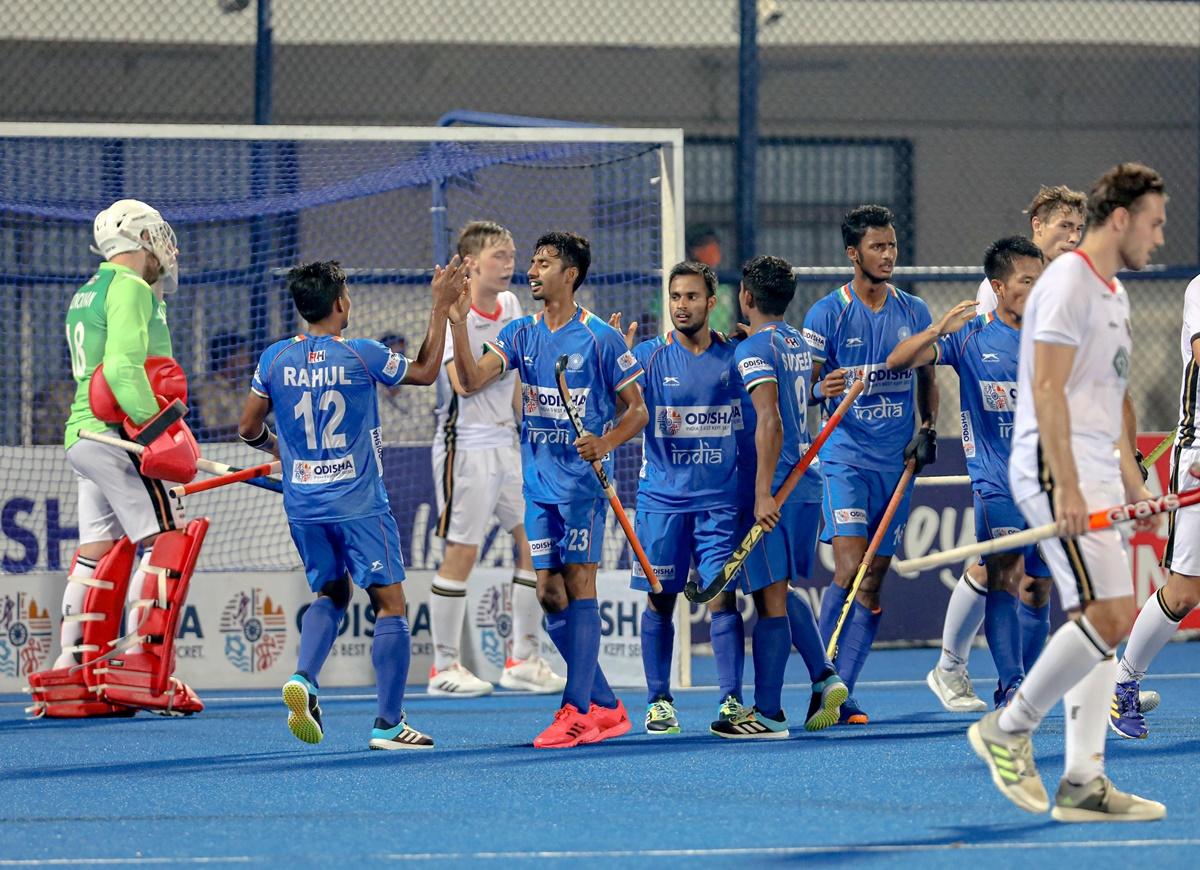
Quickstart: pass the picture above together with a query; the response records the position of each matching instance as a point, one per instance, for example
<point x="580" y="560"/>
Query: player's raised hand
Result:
<point x="462" y="306"/>
<point x="592" y="448"/>
<point x="957" y="317"/>
<point x="629" y="332"/>
<point x="833" y="384"/>
<point x="448" y="282"/>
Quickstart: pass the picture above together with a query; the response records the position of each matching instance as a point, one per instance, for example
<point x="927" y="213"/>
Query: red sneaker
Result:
<point x="610" y="721"/>
<point x="569" y="728"/>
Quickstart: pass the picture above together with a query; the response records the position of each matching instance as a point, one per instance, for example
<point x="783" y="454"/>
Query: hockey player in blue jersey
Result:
<point x="775" y="367"/>
<point x="565" y="508"/>
<point x="322" y="388"/>
<point x="855" y="328"/>
<point x="984" y="351"/>
<point x="687" y="504"/>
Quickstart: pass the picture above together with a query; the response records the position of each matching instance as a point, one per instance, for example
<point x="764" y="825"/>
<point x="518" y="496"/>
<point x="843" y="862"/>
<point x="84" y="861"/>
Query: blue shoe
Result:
<point x="398" y="736"/>
<point x="1125" y="717"/>
<point x="304" y="713"/>
<point x="828" y="695"/>
<point x="1002" y="697"/>
<point x="852" y="714"/>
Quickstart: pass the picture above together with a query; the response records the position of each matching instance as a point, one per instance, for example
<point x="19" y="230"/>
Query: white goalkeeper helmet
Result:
<point x="130" y="225"/>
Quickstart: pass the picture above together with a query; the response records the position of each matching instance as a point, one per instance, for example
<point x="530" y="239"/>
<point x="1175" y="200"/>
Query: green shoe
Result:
<point x="660" y="717"/>
<point x="1009" y="758"/>
<point x="304" y="717"/>
<point x="730" y="708"/>
<point x="828" y="695"/>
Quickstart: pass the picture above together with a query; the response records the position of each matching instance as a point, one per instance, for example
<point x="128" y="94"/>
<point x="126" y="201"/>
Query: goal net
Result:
<point x="247" y="204"/>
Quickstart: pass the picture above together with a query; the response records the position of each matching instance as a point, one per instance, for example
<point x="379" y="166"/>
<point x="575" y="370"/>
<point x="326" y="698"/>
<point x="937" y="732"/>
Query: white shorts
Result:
<point x="1182" y="554"/>
<point x="1090" y="567"/>
<point x="480" y="482"/>
<point x="115" y="499"/>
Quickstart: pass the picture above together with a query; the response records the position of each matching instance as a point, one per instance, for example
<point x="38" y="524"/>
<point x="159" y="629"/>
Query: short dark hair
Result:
<point x="1121" y="187"/>
<point x="573" y="249"/>
<point x="999" y="259"/>
<point x="315" y="286"/>
<point x="857" y="221"/>
<point x="692" y="267"/>
<point x="700" y="234"/>
<point x="770" y="282"/>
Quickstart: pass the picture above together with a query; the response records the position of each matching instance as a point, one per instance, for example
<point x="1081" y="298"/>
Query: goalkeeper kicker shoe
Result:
<point x="1009" y="757"/>
<point x="398" y="736"/>
<point x="455" y="681"/>
<point x="954" y="690"/>
<point x="751" y="724"/>
<point x="569" y="728"/>
<point x="304" y="716"/>
<point x="661" y="718"/>
<point x="828" y="695"/>
<point x="531" y="675"/>
<point x="1101" y="801"/>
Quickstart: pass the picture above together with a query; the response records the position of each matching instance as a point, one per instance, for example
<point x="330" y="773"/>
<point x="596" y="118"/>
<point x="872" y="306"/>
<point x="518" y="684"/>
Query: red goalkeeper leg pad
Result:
<point x="144" y="679"/>
<point x="68" y="692"/>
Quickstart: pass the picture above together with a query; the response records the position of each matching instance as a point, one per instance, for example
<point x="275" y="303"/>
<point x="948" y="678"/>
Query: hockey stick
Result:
<point x="240" y="475"/>
<point x="947" y="480"/>
<point x="560" y="369"/>
<point x="1158" y="451"/>
<point x="872" y="548"/>
<point x="1101" y="519"/>
<point x="734" y="563"/>
<point x="201" y="463"/>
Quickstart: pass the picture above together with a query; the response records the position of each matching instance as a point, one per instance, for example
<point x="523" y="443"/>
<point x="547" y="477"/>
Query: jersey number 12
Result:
<point x="330" y="437"/>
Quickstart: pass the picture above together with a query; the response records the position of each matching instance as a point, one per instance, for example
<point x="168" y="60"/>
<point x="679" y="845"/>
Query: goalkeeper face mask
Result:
<point x="130" y="225"/>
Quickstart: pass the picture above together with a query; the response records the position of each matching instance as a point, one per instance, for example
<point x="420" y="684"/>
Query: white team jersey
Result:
<point x="986" y="297"/>
<point x="1186" y="436"/>
<point x="485" y="418"/>
<point x="1072" y="305"/>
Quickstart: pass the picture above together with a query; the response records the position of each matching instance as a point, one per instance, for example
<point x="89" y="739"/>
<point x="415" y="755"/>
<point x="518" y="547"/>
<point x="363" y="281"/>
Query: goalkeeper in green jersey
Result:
<point x="116" y="330"/>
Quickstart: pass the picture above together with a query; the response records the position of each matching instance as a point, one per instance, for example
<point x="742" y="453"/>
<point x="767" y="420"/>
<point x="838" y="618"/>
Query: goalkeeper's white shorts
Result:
<point x="115" y="499"/>
<point x="481" y="482"/>
<point x="1182" y="554"/>
<point x="1091" y="567"/>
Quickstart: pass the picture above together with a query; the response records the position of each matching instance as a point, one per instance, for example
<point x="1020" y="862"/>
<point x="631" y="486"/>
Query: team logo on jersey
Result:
<point x="575" y="362"/>
<point x="316" y="356"/>
<point x="1002" y="531"/>
<point x="626" y="361"/>
<point x="850" y="515"/>
<point x="991" y="357"/>
<point x="255" y="630"/>
<point x="493" y="622"/>
<point x="377" y="444"/>
<point x="752" y="364"/>
<point x="1120" y="363"/>
<point x="540" y="435"/>
<point x="662" y="572"/>
<point x="392" y="365"/>
<point x="792" y="342"/>
<point x="880" y="379"/>
<point x="903" y="332"/>
<point x="25" y="636"/>
<point x="546" y="402"/>
<point x="884" y="409"/>
<point x="724" y="378"/>
<point x="306" y="473"/>
<point x="854" y="341"/>
<point x="541" y="547"/>
<point x="815" y="340"/>
<point x="672" y="381"/>
<point x="701" y="454"/>
<point x="999" y="396"/>
<point x="968" y="435"/>
<point x="695" y="421"/>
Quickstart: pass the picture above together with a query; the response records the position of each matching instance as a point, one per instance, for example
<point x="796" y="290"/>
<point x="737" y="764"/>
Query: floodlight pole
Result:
<point x="747" y="144"/>
<point x="262" y="64"/>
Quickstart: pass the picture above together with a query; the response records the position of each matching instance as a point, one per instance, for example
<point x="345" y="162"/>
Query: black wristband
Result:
<point x="261" y="438"/>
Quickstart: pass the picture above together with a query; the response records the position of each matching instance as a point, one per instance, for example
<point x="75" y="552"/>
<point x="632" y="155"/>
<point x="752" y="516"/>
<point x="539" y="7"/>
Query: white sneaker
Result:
<point x="531" y="675"/>
<point x="456" y="681"/>
<point x="1101" y="801"/>
<point x="954" y="690"/>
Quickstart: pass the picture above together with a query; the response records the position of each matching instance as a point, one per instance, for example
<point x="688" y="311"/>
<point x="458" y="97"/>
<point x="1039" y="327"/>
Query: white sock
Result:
<point x="447" y="607"/>
<point x="1153" y="628"/>
<point x="1086" y="706"/>
<point x="1072" y="653"/>
<point x="70" y="633"/>
<point x="527" y="615"/>
<point x="964" y="615"/>
<point x="133" y="615"/>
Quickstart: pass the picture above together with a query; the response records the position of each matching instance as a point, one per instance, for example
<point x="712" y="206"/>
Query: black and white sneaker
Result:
<point x="398" y="736"/>
<point x="751" y="724"/>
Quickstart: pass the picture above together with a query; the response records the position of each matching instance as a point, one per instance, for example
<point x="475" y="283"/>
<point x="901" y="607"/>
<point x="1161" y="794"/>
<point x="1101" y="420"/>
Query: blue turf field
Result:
<point x="232" y="786"/>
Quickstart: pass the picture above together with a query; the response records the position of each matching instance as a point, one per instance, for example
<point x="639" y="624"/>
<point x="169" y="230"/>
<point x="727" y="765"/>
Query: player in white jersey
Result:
<point x="477" y="475"/>
<point x="1056" y="221"/>
<point x="1072" y="454"/>
<point x="1160" y="618"/>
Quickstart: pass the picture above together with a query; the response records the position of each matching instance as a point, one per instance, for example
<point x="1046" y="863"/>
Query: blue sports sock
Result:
<point x="772" y="643"/>
<point x="1035" y="628"/>
<point x="583" y="648"/>
<point x="602" y="693"/>
<point x="832" y="603"/>
<point x="1003" y="631"/>
<point x="556" y="630"/>
<point x="805" y="636"/>
<point x="728" y="636"/>
<point x="390" y="652"/>
<point x="318" y="630"/>
<point x="658" y="639"/>
<point x="855" y="643"/>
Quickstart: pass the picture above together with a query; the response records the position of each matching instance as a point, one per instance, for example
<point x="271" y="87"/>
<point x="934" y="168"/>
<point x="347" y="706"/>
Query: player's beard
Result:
<point x="872" y="277"/>
<point x="692" y="329"/>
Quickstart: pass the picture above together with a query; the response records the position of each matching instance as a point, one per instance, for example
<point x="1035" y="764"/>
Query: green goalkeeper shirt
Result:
<point x="114" y="318"/>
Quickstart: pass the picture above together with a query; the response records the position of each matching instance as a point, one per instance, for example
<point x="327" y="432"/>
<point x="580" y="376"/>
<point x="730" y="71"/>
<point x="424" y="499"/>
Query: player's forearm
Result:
<point x="631" y="422"/>
<point x="424" y="368"/>
<point x="1131" y="472"/>
<point x="1054" y="433"/>
<point x="916" y="350"/>
<point x="125" y="372"/>
<point x="470" y="377"/>
<point x="768" y="443"/>
<point x="928" y="395"/>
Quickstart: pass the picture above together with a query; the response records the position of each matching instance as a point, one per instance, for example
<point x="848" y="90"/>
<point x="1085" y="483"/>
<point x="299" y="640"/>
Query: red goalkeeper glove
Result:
<point x="171" y="450"/>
